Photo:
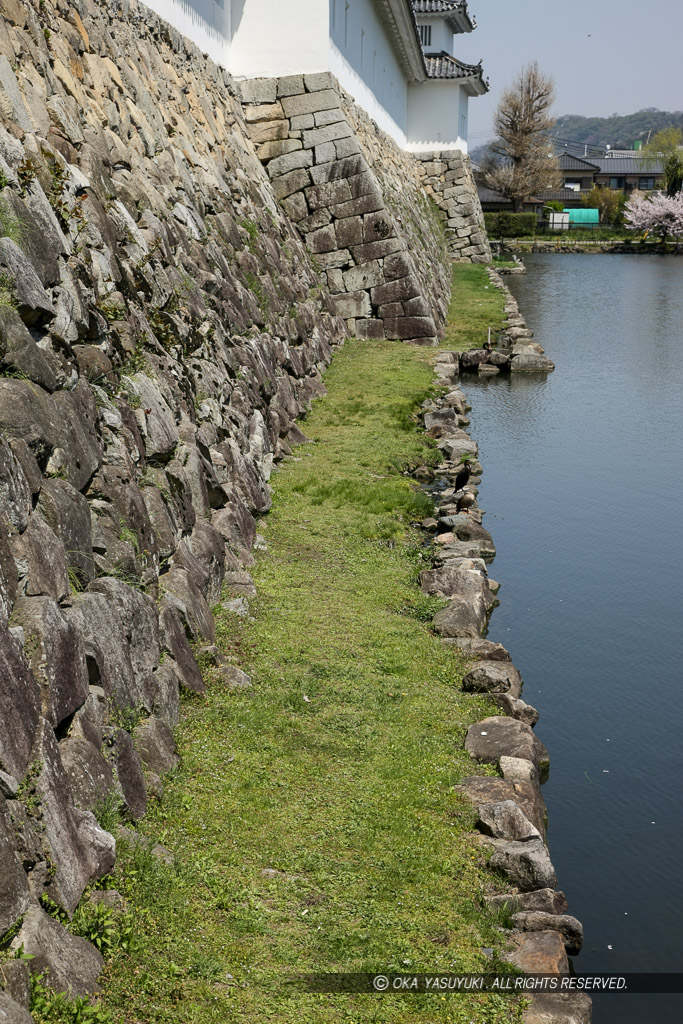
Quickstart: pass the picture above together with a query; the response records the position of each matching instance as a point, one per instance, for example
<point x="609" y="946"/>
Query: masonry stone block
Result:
<point x="295" y="181"/>
<point x="326" y="153"/>
<point x="302" y="121"/>
<point x="397" y="265"/>
<point x="369" y="329"/>
<point x="376" y="250"/>
<point x="346" y="147"/>
<point x="335" y="281"/>
<point x="290" y="85"/>
<point x="259" y="90"/>
<point x="356" y="207"/>
<point x="14" y="891"/>
<point x="417" y="306"/>
<point x="410" y="327"/>
<point x="319" y="80"/>
<point x="363" y="184"/>
<point x="352" y="304"/>
<point x="55" y="653"/>
<point x="323" y="117"/>
<point x="377" y="226"/>
<point x="281" y="165"/>
<point x="349" y="231"/>
<point x="365" y="276"/>
<point x="40" y="561"/>
<point x="390" y="311"/>
<point x="322" y="240"/>
<point x="395" y="291"/>
<point x="260" y="112"/>
<point x="329" y="133"/>
<point x="328" y="260"/>
<point x="268" y="131"/>
<point x="328" y="194"/>
<point x="350" y="167"/>
<point x="20" y="702"/>
<point x="269" y="150"/>
<point x="314" y="221"/>
<point x="66" y="512"/>
<point x="309" y="103"/>
<point x="295" y="206"/>
<point x="73" y="963"/>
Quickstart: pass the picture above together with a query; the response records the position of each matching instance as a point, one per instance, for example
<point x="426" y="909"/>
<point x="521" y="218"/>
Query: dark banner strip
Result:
<point x="650" y="984"/>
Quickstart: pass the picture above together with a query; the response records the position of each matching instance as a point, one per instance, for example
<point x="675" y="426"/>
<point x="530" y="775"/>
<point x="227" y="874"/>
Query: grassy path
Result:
<point x="313" y="816"/>
<point x="475" y="306"/>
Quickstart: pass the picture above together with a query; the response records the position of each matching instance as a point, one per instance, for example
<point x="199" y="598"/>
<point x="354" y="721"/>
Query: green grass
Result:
<point x="336" y="770"/>
<point x="475" y="306"/>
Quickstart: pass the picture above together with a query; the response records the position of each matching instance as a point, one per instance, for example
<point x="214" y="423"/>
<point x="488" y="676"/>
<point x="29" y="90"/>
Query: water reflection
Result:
<point x="584" y="490"/>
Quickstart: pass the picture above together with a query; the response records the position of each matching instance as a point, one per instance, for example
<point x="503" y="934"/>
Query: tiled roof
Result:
<point x="562" y="195"/>
<point x="489" y="195"/>
<point x="443" y="65"/>
<point x="569" y="162"/>
<point x="455" y="12"/>
<point x="630" y="165"/>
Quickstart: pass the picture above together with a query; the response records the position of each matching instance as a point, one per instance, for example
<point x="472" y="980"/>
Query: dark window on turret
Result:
<point x="426" y="35"/>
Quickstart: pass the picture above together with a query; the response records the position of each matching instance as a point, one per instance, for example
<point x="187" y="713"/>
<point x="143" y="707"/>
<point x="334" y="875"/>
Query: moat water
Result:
<point x="583" y="483"/>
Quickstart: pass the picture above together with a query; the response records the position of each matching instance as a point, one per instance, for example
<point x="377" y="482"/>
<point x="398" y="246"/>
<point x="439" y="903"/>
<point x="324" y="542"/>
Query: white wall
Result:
<point x="437" y="116"/>
<point x="271" y="38"/>
<point x="365" y="64"/>
<point x="442" y="36"/>
<point x="205" y="22"/>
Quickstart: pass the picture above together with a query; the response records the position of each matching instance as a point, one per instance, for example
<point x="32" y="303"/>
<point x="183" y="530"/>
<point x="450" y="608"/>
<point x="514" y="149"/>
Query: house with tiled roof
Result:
<point x="394" y="57"/>
<point x="621" y="174"/>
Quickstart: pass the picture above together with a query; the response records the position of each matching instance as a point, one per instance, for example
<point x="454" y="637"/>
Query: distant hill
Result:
<point x="619" y="131"/>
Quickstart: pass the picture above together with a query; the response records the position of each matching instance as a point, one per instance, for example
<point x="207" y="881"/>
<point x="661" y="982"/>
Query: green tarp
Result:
<point x="583" y="216"/>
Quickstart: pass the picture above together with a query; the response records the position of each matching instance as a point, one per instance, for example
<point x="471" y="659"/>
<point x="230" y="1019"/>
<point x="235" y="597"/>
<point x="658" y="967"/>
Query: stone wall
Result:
<point x="357" y="201"/>
<point x="167" y="306"/>
<point x="448" y="178"/>
<point x="161" y="327"/>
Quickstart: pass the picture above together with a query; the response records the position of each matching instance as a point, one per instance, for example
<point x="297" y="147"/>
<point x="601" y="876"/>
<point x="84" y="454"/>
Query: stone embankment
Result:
<point x="512" y="350"/>
<point x="510" y="808"/>
<point x="642" y="248"/>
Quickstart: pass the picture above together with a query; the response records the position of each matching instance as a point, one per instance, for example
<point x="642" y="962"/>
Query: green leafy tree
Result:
<point x="610" y="203"/>
<point x="666" y="146"/>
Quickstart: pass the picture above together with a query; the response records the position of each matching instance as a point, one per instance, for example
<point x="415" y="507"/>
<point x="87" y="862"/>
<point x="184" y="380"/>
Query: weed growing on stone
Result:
<point x="48" y="1007"/>
<point x="256" y="287"/>
<point x="315" y="817"/>
<point x="475" y="306"/>
<point x="26" y="172"/>
<point x="109" y="810"/>
<point x="8" y="297"/>
<point x="126" y="718"/>
<point x="10" y="225"/>
<point x="107" y="928"/>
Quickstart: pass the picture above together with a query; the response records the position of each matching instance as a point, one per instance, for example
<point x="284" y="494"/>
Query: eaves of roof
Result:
<point x="569" y="162"/>
<point x="454" y="12"/>
<point x="444" y="66"/>
<point x="398" y="18"/>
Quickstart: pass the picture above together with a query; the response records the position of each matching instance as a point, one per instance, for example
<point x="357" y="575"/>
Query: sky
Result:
<point x="606" y="56"/>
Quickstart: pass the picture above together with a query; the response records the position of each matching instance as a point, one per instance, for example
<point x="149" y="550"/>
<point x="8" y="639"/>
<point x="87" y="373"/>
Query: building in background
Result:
<point x="617" y="173"/>
<point x="394" y="57"/>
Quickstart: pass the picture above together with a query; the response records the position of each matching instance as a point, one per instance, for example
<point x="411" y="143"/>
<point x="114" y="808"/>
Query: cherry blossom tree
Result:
<point x="656" y="212"/>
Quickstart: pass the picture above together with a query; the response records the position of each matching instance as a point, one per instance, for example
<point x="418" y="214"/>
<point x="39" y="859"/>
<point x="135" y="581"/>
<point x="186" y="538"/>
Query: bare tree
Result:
<point x="519" y="164"/>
